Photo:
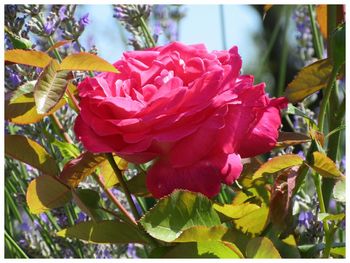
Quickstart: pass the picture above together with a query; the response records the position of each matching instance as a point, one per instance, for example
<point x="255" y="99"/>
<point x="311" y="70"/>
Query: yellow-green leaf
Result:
<point x="338" y="251"/>
<point x="277" y="164"/>
<point x="105" y="232"/>
<point x="261" y="247"/>
<point x="46" y="192"/>
<point x="309" y="80"/>
<point x="236" y="211"/>
<point x="324" y="166"/>
<point x="253" y="223"/>
<point x="87" y="61"/>
<point x="108" y="174"/>
<point x="339" y="192"/>
<point x="30" y="152"/>
<point x="202" y="233"/>
<point x="27" y="57"/>
<point x="22" y="109"/>
<point x="50" y="87"/>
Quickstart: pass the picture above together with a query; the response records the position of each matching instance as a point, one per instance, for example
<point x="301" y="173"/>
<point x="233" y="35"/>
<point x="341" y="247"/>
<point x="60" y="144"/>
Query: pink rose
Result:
<point x="186" y="107"/>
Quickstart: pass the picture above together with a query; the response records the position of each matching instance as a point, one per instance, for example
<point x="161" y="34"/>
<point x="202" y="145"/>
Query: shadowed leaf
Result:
<point x="27" y="57"/>
<point x="87" y="200"/>
<point x="30" y="152"/>
<point x="87" y="61"/>
<point x="46" y="192"/>
<point x="309" y="80"/>
<point x="286" y="139"/>
<point x="261" y="247"/>
<point x="137" y="185"/>
<point x="50" y="87"/>
<point x="177" y="212"/>
<point x="104" y="232"/>
<point x="202" y="233"/>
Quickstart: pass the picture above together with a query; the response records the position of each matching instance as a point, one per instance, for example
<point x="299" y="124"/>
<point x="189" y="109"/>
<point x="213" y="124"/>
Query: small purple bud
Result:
<point x="62" y="13"/>
<point x="49" y="27"/>
<point x="84" y="20"/>
<point x="14" y="79"/>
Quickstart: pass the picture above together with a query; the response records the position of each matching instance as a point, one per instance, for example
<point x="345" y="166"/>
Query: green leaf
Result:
<point x="324" y="166"/>
<point x="30" y="152"/>
<point x="338" y="37"/>
<point x="202" y="234"/>
<point x="104" y="232"/>
<point x="261" y="247"/>
<point x="310" y="79"/>
<point x="286" y="139"/>
<point x="21" y="108"/>
<point x="236" y="211"/>
<point x="46" y="192"/>
<point x="87" y="61"/>
<point x="253" y="223"/>
<point x="339" y="193"/>
<point x="331" y="217"/>
<point x="177" y="212"/>
<point x="27" y="57"/>
<point x="67" y="150"/>
<point x="79" y="168"/>
<point x="87" y="200"/>
<point x="50" y="87"/>
<point x="295" y="111"/>
<point x="338" y="251"/>
<point x="209" y="249"/>
<point x="277" y="164"/>
<point x="137" y="185"/>
<point x="17" y="41"/>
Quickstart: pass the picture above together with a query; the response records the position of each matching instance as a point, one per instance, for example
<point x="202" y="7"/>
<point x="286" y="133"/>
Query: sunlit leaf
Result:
<point x="338" y="251"/>
<point x="46" y="192"/>
<point x="324" y="166"/>
<point x="104" y="232"/>
<point x="339" y="193"/>
<point x="30" y="152"/>
<point x="331" y="217"/>
<point x="317" y="136"/>
<point x="309" y="80"/>
<point x="50" y="87"/>
<point x="175" y="213"/>
<point x="286" y="139"/>
<point x="277" y="164"/>
<point x="27" y="57"/>
<point x="67" y="150"/>
<point x="254" y="222"/>
<point x="209" y="249"/>
<point x="261" y="247"/>
<point x="236" y="211"/>
<point x="59" y="44"/>
<point x="202" y="233"/>
<point x="321" y="16"/>
<point x="86" y="61"/>
<point x="20" y="108"/>
<point x="79" y="168"/>
<point x="106" y="171"/>
<point x="17" y="41"/>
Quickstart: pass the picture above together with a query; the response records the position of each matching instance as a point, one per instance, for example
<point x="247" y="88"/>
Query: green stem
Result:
<point x="328" y="91"/>
<point x="315" y="34"/>
<point x="149" y="39"/>
<point x="284" y="55"/>
<point x="328" y="234"/>
<point x="14" y="244"/>
<point x="123" y="184"/>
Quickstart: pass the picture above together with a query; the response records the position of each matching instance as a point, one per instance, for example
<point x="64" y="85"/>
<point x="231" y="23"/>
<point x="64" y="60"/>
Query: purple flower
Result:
<point x="44" y="218"/>
<point x="81" y="217"/>
<point x="25" y="227"/>
<point x="49" y="27"/>
<point x="84" y="20"/>
<point x="62" y="12"/>
<point x="305" y="219"/>
<point x="14" y="79"/>
<point x="131" y="251"/>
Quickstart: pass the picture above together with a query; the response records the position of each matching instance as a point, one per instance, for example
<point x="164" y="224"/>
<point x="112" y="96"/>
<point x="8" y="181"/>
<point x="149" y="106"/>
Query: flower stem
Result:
<point x="123" y="184"/>
<point x="315" y="34"/>
<point x="113" y="199"/>
<point x="148" y="37"/>
<point x="14" y="244"/>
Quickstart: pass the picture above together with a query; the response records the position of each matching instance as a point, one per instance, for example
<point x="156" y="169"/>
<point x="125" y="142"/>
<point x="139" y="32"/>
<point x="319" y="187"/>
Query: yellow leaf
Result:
<point x="50" y="87"/>
<point x="324" y="166"/>
<point x="87" y="61"/>
<point x="30" y="152"/>
<point x="46" y="192"/>
<point x="261" y="247"/>
<point x="59" y="44"/>
<point x="236" y="211"/>
<point x="321" y="16"/>
<point x="27" y="57"/>
<point x="108" y="174"/>
<point x="309" y="80"/>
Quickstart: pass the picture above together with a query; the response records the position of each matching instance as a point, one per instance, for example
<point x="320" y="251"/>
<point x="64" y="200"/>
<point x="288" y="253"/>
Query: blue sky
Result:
<point x="201" y="25"/>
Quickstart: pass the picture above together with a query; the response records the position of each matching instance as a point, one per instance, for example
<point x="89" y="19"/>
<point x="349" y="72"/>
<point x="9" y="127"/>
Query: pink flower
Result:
<point x="186" y="107"/>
